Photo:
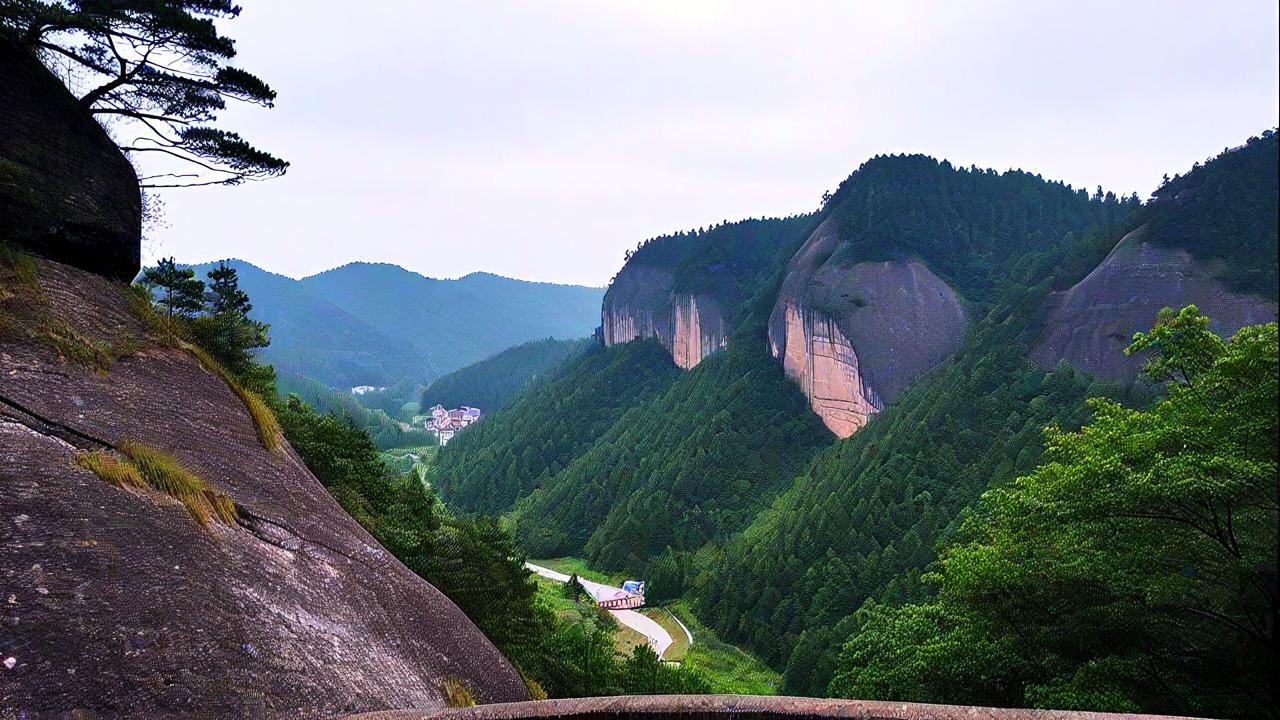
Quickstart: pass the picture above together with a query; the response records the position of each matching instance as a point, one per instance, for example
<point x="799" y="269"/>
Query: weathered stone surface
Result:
<point x="1090" y="324"/>
<point x="855" y="336"/>
<point x="818" y="356"/>
<point x="116" y="604"/>
<point x="741" y="707"/>
<point x="66" y="191"/>
<point x="641" y="304"/>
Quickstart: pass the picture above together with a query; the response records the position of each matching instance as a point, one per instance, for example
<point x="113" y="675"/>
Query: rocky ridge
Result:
<point x="116" y="603"/>
<point x="854" y="336"/>
<point x="1090" y="324"/>
<point x="641" y="304"/>
<point x="66" y="192"/>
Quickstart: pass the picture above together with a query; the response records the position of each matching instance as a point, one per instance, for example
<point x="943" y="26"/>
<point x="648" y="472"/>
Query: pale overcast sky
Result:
<point x="540" y="139"/>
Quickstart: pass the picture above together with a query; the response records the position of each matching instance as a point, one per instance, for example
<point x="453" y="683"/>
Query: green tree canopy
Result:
<point x="181" y="294"/>
<point x="163" y="65"/>
<point x="226" y="330"/>
<point x="225" y="295"/>
<point x="1135" y="570"/>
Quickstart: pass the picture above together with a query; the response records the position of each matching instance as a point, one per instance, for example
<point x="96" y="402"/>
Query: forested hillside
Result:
<point x="679" y="463"/>
<point x="867" y="516"/>
<point x="728" y="260"/>
<point x="690" y="465"/>
<point x="864" y="518"/>
<point x="973" y="227"/>
<point x="491" y="383"/>
<point x="1134" y="570"/>
<point x="718" y="486"/>
<point x="509" y="454"/>
<point x="1224" y="211"/>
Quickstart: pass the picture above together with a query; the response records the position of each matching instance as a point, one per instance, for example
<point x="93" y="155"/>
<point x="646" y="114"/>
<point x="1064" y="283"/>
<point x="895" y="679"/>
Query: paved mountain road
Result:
<point x="659" y="638"/>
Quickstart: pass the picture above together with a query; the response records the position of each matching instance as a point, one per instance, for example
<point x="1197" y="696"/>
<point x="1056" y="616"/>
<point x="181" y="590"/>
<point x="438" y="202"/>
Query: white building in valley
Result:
<point x="444" y="424"/>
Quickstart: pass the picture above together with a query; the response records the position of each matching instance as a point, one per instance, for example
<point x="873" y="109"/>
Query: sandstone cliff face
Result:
<point x="855" y="336"/>
<point x="641" y="304"/>
<point x="114" y="603"/>
<point x="66" y="192"/>
<point x="1090" y="324"/>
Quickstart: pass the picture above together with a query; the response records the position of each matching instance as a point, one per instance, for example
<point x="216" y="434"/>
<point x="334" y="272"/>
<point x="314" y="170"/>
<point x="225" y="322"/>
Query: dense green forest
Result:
<point x="670" y="486"/>
<point x="728" y="261"/>
<point x="1224" y="210"/>
<point x="864" y="518"/>
<point x="549" y="424"/>
<point x="491" y="383"/>
<point x="712" y="487"/>
<point x="1133" y="571"/>
<point x="972" y="227"/>
<point x="690" y="465"/>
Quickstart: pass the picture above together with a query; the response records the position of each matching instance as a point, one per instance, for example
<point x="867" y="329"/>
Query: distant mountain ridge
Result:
<point x="380" y="324"/>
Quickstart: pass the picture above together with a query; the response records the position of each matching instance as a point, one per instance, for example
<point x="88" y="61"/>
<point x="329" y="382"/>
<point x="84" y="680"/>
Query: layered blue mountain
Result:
<point x="381" y="325"/>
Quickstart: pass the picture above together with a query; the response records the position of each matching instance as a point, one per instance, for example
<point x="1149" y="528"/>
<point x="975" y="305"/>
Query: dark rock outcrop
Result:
<point x="115" y="603"/>
<point x="854" y="336"/>
<point x="1090" y="324"/>
<point x="66" y="191"/>
<point x="641" y="304"/>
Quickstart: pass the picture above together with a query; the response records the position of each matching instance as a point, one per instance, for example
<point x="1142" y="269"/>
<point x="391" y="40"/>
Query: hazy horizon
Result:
<point x="540" y="143"/>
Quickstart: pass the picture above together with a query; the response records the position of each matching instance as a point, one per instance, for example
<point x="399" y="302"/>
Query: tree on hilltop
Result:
<point x="163" y="65"/>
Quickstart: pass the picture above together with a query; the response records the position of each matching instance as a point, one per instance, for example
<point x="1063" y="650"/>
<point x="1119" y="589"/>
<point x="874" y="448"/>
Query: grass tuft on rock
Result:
<point x="19" y="274"/>
<point x="142" y="309"/>
<point x="143" y="466"/>
<point x="115" y="471"/>
<point x="74" y="347"/>
<point x="456" y="693"/>
<point x="264" y="420"/>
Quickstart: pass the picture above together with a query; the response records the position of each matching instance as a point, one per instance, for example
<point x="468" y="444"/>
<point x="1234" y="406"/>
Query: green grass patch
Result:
<point x="727" y="668"/>
<point x="626" y="640"/>
<point x="144" y="311"/>
<point x="552" y="594"/>
<point x="73" y="347"/>
<point x="578" y="566"/>
<point x="679" y="641"/>
<point x="144" y="467"/>
<point x="117" y="472"/>
<point x="25" y="314"/>
<point x="18" y="274"/>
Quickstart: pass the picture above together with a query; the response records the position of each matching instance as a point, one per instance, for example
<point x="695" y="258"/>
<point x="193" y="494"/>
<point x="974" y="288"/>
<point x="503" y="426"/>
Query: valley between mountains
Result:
<point x="954" y="442"/>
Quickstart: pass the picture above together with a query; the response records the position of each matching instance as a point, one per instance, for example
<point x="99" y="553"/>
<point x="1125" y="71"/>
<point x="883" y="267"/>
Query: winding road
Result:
<point x="659" y="638"/>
